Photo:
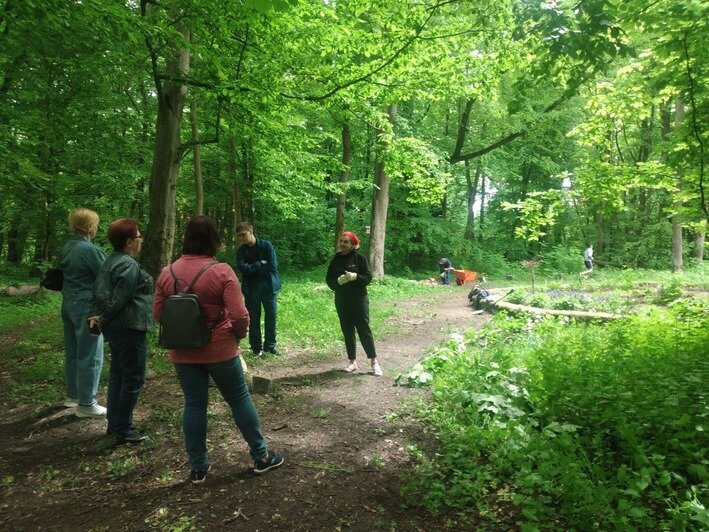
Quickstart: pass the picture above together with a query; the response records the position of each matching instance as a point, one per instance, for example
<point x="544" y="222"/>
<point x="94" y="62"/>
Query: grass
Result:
<point x="307" y="322"/>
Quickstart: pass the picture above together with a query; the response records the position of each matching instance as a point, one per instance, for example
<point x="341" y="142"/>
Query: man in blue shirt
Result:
<point x="257" y="262"/>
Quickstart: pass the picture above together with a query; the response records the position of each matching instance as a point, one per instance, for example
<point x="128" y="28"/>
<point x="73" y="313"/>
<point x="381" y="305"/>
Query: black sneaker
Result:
<point x="132" y="436"/>
<point x="271" y="461"/>
<point x="272" y="352"/>
<point x="197" y="476"/>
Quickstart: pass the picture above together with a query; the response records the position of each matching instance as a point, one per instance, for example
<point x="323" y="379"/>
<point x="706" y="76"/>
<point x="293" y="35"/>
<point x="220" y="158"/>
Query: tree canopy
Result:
<point x="507" y="129"/>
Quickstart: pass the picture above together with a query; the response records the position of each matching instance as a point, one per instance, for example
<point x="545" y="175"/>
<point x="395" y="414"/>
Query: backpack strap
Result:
<point x="199" y="274"/>
<point x="203" y="269"/>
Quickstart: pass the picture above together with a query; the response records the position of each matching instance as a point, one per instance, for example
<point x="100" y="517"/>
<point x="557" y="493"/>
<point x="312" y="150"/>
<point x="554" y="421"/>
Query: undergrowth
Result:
<point x="578" y="426"/>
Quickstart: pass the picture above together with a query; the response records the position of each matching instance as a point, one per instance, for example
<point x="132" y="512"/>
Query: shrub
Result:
<point x="581" y="423"/>
<point x="561" y="260"/>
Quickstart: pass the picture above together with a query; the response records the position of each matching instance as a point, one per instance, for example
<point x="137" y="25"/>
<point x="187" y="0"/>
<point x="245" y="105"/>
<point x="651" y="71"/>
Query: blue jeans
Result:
<point x="258" y="296"/>
<point x="125" y="382"/>
<point x="83" y="353"/>
<point x="229" y="378"/>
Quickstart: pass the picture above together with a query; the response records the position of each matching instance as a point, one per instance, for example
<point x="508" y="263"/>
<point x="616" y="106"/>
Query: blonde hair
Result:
<point x="82" y="220"/>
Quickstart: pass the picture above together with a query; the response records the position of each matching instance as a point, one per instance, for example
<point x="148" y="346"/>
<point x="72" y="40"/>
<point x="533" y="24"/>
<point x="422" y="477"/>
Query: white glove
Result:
<point x="342" y="279"/>
<point x="351" y="276"/>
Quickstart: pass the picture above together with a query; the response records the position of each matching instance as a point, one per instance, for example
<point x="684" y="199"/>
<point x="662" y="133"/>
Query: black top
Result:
<point x="352" y="262"/>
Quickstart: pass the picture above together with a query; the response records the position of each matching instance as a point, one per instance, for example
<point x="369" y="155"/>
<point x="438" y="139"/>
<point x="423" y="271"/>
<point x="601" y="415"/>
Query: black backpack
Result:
<point x="182" y="325"/>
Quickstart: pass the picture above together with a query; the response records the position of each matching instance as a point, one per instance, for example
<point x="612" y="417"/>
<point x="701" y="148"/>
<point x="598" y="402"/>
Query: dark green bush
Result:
<point x="583" y="424"/>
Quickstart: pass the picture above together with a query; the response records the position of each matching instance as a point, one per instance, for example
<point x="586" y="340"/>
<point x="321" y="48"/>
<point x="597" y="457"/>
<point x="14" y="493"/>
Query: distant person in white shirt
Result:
<point x="588" y="261"/>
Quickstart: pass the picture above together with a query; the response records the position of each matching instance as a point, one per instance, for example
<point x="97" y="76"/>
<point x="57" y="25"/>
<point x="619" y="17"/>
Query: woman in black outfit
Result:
<point x="348" y="276"/>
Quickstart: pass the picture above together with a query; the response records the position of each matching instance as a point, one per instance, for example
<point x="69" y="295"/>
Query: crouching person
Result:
<point x="223" y="309"/>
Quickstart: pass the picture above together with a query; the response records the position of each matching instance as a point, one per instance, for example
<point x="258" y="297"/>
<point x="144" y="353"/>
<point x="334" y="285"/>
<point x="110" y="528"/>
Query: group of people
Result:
<point x="113" y="298"/>
<point x="445" y="266"/>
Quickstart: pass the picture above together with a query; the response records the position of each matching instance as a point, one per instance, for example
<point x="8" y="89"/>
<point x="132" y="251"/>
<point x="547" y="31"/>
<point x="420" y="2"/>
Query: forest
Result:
<point x="485" y="132"/>
<point x="506" y="136"/>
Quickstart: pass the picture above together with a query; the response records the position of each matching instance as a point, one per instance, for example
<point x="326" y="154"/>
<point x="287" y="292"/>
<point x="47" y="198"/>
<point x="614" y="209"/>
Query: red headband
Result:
<point x="353" y="238"/>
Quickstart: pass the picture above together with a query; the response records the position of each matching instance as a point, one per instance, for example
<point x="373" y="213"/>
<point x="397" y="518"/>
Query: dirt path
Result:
<point x="343" y="437"/>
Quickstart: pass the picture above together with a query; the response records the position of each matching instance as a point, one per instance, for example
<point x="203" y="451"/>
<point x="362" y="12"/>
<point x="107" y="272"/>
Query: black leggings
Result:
<point x="354" y="314"/>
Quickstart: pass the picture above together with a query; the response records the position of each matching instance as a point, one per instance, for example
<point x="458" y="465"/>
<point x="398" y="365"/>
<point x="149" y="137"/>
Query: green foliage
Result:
<point x="561" y="260"/>
<point x="669" y="293"/>
<point x="583" y="423"/>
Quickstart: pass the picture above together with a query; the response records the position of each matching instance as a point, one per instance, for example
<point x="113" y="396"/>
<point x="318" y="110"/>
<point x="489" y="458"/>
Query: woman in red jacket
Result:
<point x="223" y="308"/>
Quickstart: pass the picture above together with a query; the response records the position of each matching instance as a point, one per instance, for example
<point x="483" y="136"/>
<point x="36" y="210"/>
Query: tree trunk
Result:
<point x="380" y="206"/>
<point x="344" y="177"/>
<point x="601" y="225"/>
<point x="677" y="207"/>
<point x="235" y="186"/>
<point x="699" y="241"/>
<point x="16" y="238"/>
<point x="171" y="95"/>
<point x="199" y="188"/>
<point x="482" y="207"/>
<point x="472" y="188"/>
<point x="247" y="188"/>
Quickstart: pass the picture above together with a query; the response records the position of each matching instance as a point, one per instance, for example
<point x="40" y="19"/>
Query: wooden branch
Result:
<point x="462" y="129"/>
<point x="185" y="146"/>
<point x="568" y="93"/>
<point x="241" y="53"/>
<point x="332" y="92"/>
<point x="184" y="80"/>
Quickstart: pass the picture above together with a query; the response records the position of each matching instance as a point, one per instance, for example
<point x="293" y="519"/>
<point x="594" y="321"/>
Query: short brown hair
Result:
<point x="81" y="220"/>
<point x="121" y="230"/>
<point x="244" y="226"/>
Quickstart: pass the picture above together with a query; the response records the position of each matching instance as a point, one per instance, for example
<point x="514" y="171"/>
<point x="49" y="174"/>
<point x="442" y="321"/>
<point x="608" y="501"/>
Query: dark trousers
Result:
<point x="354" y="315"/>
<point x="127" y="376"/>
<point x="260" y="294"/>
<point x="229" y="378"/>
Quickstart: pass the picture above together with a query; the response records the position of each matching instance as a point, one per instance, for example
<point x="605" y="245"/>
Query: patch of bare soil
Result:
<point x="343" y="437"/>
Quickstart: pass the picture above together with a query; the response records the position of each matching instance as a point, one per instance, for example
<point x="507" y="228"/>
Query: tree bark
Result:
<point x="380" y="206"/>
<point x="199" y="188"/>
<point x="699" y="241"/>
<point x="344" y="177"/>
<point x="482" y="207"/>
<point x="160" y="235"/>
<point x="16" y="239"/>
<point x="601" y="225"/>
<point x="677" y="206"/>
<point x="235" y="186"/>
<point x="472" y="187"/>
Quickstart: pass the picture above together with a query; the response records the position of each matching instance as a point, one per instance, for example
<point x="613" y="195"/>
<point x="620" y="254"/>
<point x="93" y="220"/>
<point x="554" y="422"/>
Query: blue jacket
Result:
<point x="80" y="261"/>
<point x="123" y="294"/>
<point x="255" y="274"/>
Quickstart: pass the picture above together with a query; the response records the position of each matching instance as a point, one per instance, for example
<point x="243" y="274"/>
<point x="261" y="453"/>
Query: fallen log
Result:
<point x="579" y="315"/>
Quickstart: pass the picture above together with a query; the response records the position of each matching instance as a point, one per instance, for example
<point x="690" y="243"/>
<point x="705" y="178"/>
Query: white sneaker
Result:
<point x="95" y="410"/>
<point x="351" y="367"/>
<point x="71" y="403"/>
<point x="376" y="369"/>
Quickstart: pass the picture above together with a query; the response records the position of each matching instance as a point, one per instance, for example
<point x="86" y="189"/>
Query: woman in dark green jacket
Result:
<point x="123" y="299"/>
<point x="348" y="276"/>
